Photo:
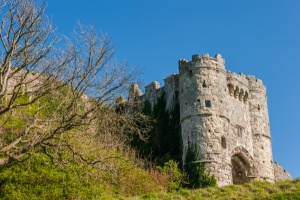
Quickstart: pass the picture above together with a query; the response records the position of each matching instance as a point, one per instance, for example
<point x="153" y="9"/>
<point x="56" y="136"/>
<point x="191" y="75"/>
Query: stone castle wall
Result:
<point x="280" y="173"/>
<point x="224" y="114"/>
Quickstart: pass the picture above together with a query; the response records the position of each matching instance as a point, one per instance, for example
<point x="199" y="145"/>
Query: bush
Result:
<point x="175" y="176"/>
<point x="198" y="176"/>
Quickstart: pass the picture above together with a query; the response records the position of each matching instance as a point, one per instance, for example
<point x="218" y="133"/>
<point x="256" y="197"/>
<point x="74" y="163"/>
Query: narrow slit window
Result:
<point x="204" y="84"/>
<point x="240" y="132"/>
<point x="223" y="142"/>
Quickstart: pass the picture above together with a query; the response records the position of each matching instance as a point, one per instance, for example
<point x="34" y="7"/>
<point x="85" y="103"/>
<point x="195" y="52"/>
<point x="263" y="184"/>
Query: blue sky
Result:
<point x="260" y="38"/>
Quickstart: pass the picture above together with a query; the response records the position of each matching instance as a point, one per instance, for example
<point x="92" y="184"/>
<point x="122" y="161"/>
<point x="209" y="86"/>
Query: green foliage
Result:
<point x="174" y="135"/>
<point x="147" y="109"/>
<point x="164" y="142"/>
<point x="196" y="171"/>
<point x="144" y="147"/>
<point x="285" y="190"/>
<point x="39" y="179"/>
<point x="176" y="177"/>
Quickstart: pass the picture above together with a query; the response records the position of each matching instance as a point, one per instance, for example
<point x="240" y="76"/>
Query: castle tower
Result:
<point x="202" y="95"/>
<point x="259" y="119"/>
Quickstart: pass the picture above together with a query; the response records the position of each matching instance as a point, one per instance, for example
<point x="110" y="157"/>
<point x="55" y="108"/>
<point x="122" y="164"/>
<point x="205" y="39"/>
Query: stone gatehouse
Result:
<point x="224" y="114"/>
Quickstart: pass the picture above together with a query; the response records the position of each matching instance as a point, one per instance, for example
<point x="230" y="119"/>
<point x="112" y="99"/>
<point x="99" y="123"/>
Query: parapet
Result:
<point x="237" y="79"/>
<point x="256" y="84"/>
<point x="152" y="86"/>
<point x="252" y="79"/>
<point x="216" y="62"/>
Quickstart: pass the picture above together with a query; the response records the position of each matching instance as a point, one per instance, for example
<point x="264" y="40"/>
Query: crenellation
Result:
<point x="224" y="114"/>
<point x="196" y="58"/>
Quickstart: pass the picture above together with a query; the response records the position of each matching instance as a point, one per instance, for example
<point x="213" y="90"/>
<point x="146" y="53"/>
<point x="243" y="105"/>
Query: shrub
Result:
<point x="175" y="176"/>
<point x="198" y="176"/>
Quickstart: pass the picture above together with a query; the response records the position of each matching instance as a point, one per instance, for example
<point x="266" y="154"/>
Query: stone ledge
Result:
<point x="264" y="135"/>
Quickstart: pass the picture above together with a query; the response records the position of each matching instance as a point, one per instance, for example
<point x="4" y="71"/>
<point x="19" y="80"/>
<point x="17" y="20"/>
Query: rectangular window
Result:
<point x="207" y="103"/>
<point x="240" y="131"/>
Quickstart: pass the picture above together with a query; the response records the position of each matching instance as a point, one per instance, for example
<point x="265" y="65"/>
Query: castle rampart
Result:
<point x="224" y="114"/>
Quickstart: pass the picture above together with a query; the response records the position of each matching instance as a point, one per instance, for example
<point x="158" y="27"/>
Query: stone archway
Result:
<point x="242" y="166"/>
<point x="240" y="169"/>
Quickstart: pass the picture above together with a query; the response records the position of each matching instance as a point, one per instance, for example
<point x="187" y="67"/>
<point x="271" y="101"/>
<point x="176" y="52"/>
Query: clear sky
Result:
<point x="256" y="37"/>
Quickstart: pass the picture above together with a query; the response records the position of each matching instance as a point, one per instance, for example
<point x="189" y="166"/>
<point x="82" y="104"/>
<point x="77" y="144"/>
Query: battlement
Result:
<point x="239" y="78"/>
<point x="152" y="87"/>
<point x="216" y="62"/>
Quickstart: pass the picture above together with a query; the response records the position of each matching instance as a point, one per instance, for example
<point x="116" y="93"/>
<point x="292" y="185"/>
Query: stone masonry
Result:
<point x="224" y="114"/>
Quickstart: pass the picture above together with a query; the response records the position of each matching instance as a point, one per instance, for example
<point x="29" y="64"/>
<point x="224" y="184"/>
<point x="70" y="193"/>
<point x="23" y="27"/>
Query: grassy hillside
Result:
<point x="255" y="190"/>
<point x="120" y="174"/>
<point x="37" y="178"/>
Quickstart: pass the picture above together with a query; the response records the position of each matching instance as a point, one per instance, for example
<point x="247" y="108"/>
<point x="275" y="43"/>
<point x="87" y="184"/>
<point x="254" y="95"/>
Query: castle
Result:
<point x="225" y="115"/>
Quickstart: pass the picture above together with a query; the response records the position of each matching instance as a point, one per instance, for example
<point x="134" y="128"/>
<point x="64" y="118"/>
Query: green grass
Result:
<point x="254" y="190"/>
<point x="38" y="179"/>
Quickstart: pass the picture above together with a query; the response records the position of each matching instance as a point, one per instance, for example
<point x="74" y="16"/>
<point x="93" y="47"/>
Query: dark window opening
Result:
<point x="207" y="103"/>
<point x="198" y="100"/>
<point x="204" y="84"/>
<point x="223" y="142"/>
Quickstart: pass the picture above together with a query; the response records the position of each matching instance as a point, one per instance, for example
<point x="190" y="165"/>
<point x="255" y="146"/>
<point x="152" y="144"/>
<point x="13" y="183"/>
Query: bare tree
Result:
<point x="47" y="90"/>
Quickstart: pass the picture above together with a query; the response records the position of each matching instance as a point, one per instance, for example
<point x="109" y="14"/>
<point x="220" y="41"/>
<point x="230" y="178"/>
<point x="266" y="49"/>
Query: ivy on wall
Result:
<point x="198" y="176"/>
<point x="164" y="142"/>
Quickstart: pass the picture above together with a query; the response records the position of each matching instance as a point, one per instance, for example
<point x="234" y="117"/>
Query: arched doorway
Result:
<point x="240" y="169"/>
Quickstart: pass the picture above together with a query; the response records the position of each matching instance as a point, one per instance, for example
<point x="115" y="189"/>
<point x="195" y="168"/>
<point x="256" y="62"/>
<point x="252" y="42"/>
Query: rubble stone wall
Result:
<point x="280" y="173"/>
